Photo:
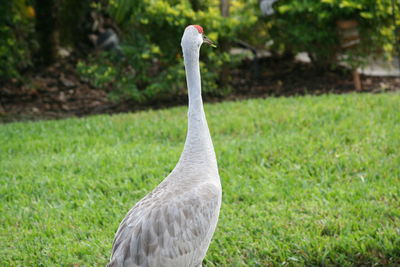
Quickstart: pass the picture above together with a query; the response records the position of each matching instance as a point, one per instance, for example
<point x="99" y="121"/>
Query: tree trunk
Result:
<point x="357" y="80"/>
<point x="224" y="8"/>
<point x="195" y="4"/>
<point x="46" y="25"/>
<point x="71" y="18"/>
<point x="224" y="45"/>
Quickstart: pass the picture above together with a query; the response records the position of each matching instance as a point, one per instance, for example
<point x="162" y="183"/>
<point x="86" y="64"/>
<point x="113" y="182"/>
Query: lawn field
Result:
<point x="307" y="181"/>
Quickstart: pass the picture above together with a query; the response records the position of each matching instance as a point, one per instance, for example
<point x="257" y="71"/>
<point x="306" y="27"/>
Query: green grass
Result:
<point x="308" y="181"/>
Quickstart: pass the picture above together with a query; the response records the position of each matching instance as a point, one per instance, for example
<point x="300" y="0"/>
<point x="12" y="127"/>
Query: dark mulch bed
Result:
<point x="280" y="77"/>
<point x="58" y="92"/>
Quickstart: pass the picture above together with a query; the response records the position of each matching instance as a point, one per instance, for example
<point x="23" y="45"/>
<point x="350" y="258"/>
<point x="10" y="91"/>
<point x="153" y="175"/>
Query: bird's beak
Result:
<point x="208" y="41"/>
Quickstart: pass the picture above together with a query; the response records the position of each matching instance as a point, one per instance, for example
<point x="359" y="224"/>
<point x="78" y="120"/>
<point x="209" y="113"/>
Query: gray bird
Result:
<point x="172" y="226"/>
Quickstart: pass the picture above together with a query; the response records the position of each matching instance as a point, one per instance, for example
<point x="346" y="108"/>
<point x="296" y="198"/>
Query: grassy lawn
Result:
<point x="306" y="180"/>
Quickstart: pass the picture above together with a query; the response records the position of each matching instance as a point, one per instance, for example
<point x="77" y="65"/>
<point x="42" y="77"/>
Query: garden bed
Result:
<point x="58" y="91"/>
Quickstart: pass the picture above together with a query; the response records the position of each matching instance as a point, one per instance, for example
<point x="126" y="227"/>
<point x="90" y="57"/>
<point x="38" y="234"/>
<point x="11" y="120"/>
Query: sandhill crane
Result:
<point x="172" y="226"/>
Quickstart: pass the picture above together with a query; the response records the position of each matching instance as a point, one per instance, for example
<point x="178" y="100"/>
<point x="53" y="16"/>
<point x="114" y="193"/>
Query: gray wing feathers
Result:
<point x="167" y="232"/>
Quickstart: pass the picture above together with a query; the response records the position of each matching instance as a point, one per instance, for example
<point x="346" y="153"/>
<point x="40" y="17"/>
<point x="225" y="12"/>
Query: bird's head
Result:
<point x="194" y="37"/>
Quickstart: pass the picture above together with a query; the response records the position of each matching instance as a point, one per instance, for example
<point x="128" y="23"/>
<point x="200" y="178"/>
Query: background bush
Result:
<point x="310" y="26"/>
<point x="16" y="45"/>
<point x="152" y="32"/>
<point x="152" y="66"/>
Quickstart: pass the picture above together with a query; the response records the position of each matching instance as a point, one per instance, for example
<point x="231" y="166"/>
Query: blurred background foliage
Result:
<point x="147" y="66"/>
<point x="16" y="42"/>
<point x="313" y="26"/>
<point x="151" y="33"/>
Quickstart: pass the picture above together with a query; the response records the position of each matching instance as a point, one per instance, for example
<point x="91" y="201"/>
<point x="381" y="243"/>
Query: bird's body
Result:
<point x="172" y="226"/>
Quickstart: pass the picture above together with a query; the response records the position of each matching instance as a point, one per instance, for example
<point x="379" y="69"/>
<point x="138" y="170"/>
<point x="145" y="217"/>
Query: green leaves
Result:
<point x="367" y="15"/>
<point x="311" y="26"/>
<point x="352" y="4"/>
<point x="151" y="43"/>
<point x="16" y="41"/>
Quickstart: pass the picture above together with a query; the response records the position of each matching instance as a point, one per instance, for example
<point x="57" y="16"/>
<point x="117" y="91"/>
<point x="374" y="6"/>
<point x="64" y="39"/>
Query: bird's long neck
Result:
<point x="198" y="146"/>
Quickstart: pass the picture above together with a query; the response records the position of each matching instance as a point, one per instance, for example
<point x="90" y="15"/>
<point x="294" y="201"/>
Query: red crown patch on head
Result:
<point x="199" y="28"/>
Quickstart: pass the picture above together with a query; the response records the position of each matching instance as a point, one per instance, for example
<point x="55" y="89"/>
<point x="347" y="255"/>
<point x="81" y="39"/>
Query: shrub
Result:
<point x="311" y="26"/>
<point x="151" y="43"/>
<point x="16" y="29"/>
